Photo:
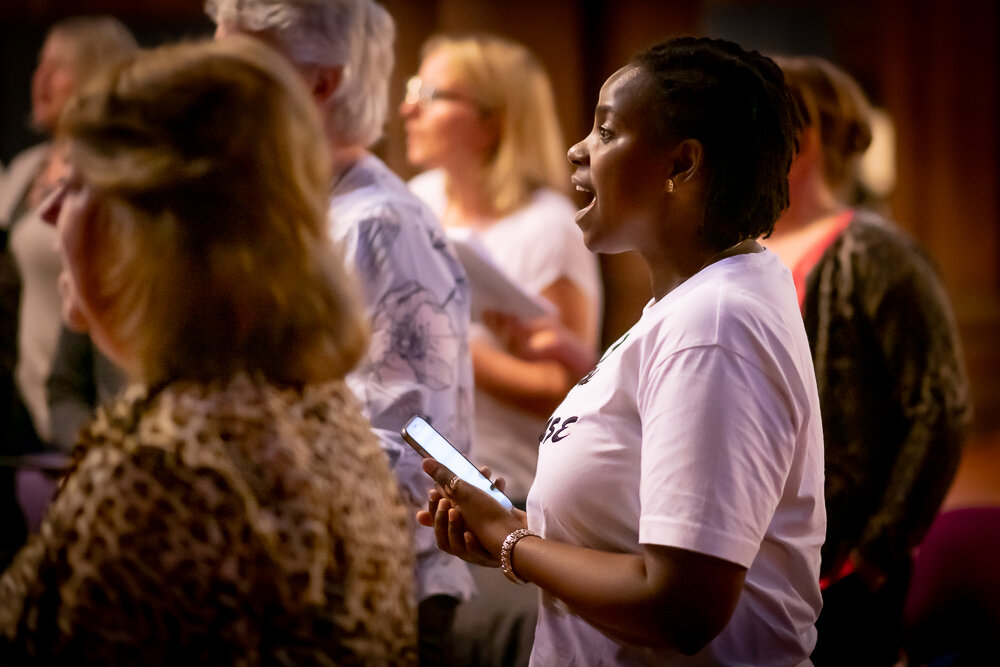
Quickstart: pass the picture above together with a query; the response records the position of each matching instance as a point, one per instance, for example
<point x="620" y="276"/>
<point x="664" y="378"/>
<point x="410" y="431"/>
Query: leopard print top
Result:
<point x="236" y="524"/>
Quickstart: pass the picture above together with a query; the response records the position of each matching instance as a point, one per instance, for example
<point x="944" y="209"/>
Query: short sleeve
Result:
<point x="712" y="473"/>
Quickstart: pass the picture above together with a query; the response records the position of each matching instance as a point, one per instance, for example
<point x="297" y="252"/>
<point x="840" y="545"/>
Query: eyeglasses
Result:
<point x="423" y="94"/>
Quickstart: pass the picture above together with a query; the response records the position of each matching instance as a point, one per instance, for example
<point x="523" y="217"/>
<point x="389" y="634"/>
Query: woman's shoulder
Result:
<point x="29" y="158"/>
<point x="739" y="294"/>
<point x="869" y="230"/>
<point x="874" y="245"/>
<point x="246" y="444"/>
<point x="206" y="426"/>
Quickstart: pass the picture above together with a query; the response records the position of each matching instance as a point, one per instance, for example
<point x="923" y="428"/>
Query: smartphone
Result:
<point x="431" y="444"/>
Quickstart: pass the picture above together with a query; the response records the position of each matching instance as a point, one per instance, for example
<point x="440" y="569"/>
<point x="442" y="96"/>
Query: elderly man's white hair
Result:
<point x="356" y="34"/>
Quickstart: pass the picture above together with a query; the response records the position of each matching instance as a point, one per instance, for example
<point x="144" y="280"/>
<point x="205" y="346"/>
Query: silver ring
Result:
<point x="452" y="484"/>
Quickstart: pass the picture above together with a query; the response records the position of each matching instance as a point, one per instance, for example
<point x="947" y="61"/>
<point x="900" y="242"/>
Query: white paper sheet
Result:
<point x="492" y="289"/>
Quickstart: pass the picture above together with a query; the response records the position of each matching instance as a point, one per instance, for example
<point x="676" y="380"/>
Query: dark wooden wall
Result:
<point x="935" y="67"/>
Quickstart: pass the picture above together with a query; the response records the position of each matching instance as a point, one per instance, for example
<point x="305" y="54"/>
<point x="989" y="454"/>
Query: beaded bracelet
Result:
<point x="506" y="548"/>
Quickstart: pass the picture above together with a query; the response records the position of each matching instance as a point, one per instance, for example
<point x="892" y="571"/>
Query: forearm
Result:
<point x="662" y="596"/>
<point x="577" y="359"/>
<point x="646" y="599"/>
<point x="607" y="589"/>
<point x="534" y="386"/>
<point x="930" y="395"/>
<point x="918" y="482"/>
<point x="578" y="314"/>
<point x="921" y="353"/>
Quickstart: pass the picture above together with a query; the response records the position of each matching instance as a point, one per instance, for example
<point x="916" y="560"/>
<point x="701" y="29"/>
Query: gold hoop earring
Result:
<point x="670" y="185"/>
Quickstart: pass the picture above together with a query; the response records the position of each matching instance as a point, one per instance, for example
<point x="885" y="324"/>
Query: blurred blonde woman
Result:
<point x="481" y="117"/>
<point x="75" y="50"/>
<point x="235" y="508"/>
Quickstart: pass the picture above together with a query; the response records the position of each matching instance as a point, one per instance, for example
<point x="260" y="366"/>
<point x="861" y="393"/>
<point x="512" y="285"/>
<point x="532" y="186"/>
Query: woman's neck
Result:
<point x="811" y="204"/>
<point x="342" y="159"/>
<point x="808" y="221"/>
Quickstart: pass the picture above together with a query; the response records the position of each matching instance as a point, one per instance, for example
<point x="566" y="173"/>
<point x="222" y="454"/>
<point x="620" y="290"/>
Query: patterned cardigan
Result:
<point x="892" y="387"/>
<point x="235" y="524"/>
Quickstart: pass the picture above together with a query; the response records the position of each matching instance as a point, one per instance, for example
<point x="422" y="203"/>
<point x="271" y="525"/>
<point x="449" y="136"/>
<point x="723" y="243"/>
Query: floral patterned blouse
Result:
<point x="417" y="298"/>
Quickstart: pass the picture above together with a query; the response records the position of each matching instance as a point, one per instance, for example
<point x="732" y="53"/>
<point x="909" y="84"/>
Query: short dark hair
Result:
<point x="735" y="102"/>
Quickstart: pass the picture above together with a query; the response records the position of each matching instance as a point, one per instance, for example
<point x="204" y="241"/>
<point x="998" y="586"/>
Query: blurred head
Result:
<point x="193" y="227"/>
<point x="833" y="105"/>
<point x="343" y="48"/>
<point x="75" y="49"/>
<point x="485" y="103"/>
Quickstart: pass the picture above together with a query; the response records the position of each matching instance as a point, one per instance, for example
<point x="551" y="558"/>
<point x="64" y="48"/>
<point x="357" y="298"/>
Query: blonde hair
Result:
<point x="506" y="80"/>
<point x="833" y="103"/>
<point x="356" y="34"/>
<point x="97" y="42"/>
<point x="210" y="179"/>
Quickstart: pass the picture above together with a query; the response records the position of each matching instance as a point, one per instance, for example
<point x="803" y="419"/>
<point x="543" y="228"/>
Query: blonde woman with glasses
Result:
<point x="481" y="117"/>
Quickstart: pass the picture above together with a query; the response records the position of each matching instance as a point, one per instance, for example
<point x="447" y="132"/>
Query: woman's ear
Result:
<point x="810" y="147"/>
<point x="87" y="247"/>
<point x="323" y="81"/>
<point x="81" y="250"/>
<point x="686" y="161"/>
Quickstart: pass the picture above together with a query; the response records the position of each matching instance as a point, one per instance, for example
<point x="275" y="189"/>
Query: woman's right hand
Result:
<point x="467" y="522"/>
<point x="542" y="339"/>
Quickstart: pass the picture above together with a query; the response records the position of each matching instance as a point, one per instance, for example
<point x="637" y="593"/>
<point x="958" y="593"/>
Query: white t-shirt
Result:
<point x="535" y="246"/>
<point x="33" y="243"/>
<point x="699" y="429"/>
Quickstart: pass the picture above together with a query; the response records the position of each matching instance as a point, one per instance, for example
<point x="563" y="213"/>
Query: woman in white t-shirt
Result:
<point x="75" y="51"/>
<point x="677" y="511"/>
<point x="481" y="117"/>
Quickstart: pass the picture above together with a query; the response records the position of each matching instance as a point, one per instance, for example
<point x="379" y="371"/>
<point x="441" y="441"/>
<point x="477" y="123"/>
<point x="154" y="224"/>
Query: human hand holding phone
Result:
<point x="432" y="445"/>
<point x="475" y="530"/>
<point x="467" y="522"/>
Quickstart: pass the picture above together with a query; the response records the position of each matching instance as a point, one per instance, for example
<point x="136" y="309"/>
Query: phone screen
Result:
<point x="429" y="443"/>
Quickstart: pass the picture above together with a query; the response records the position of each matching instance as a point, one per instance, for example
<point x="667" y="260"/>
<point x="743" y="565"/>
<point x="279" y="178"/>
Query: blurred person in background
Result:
<point x="81" y="378"/>
<point x="415" y="289"/>
<point x="235" y="507"/>
<point x="891" y="378"/>
<point x="480" y="115"/>
<point x="74" y="51"/>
